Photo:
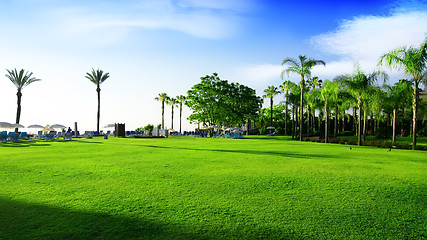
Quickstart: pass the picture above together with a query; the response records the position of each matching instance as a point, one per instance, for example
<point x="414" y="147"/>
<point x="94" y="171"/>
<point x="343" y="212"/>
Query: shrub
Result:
<point x="318" y="133"/>
<point x="384" y="133"/>
<point x="345" y="133"/>
<point x="403" y="146"/>
<point x="420" y="147"/>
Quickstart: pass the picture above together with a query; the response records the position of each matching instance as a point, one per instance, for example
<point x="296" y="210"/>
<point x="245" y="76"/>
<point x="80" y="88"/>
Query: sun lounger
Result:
<point x="3" y="138"/>
<point x="24" y="135"/>
<point x="49" y="137"/>
<point x="88" y="134"/>
<point x="14" y="137"/>
<point x="68" y="136"/>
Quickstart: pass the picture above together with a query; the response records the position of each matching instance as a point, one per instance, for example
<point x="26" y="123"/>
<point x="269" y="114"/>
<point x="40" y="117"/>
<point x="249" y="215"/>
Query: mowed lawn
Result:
<point x="198" y="188"/>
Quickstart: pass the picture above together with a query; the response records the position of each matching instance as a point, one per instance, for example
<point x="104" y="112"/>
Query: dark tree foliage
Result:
<point x="218" y="102"/>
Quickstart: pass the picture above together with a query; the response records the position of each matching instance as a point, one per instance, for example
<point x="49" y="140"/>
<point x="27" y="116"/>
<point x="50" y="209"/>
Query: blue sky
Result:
<point x="154" y="46"/>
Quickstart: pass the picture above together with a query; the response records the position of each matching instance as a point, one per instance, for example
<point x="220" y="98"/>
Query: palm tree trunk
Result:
<point x="354" y="120"/>
<point x="163" y="114"/>
<point x="286" y="118"/>
<point x="402" y="127"/>
<point x="271" y="111"/>
<point x="293" y="121"/>
<point x="18" y="109"/>
<point x="364" y="125"/>
<point x="301" y="115"/>
<point x="308" y="119"/>
<point x="172" y="118"/>
<point x="180" y="117"/>
<point x="99" y="109"/>
<point x="394" y="125"/>
<point x="414" y="118"/>
<point x="336" y="121"/>
<point x="359" y="127"/>
<point x="326" y="121"/>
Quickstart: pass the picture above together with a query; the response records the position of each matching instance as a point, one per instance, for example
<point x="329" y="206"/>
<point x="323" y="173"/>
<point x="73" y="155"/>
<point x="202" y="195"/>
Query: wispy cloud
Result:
<point x="365" y="39"/>
<point x="201" y="19"/>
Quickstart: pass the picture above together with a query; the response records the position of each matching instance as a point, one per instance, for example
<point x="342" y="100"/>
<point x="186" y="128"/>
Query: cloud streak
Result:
<point x="365" y="39"/>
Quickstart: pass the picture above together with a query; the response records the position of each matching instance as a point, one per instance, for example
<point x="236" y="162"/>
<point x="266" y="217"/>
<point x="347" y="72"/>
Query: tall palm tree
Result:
<point x="312" y="83"/>
<point x="413" y="61"/>
<point x="329" y="93"/>
<point x="286" y="87"/>
<point x="162" y="97"/>
<point x="302" y="67"/>
<point x="20" y="80"/>
<point x="181" y="100"/>
<point x="270" y="92"/>
<point x="97" y="77"/>
<point x="359" y="83"/>
<point x="172" y="102"/>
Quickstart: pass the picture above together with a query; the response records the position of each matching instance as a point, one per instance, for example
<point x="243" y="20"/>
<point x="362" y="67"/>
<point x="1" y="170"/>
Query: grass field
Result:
<point x="198" y="188"/>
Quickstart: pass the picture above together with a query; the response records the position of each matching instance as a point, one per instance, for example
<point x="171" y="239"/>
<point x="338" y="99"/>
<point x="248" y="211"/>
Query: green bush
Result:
<point x="384" y="133"/>
<point x="318" y="133"/>
<point x="345" y="133"/>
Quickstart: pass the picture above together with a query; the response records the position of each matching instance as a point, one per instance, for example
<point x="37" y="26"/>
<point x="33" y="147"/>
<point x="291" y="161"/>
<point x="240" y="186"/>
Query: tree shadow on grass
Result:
<point x="255" y="152"/>
<point x="19" y="220"/>
<point x="26" y="144"/>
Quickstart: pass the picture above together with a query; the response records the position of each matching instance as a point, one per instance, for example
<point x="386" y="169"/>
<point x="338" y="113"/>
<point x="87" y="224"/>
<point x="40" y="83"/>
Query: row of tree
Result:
<point x="357" y="90"/>
<point x="173" y="102"/>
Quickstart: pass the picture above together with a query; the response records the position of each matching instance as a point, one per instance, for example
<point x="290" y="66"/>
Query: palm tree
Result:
<point x="270" y="92"/>
<point x="312" y="83"/>
<point x="329" y="93"/>
<point x="162" y="97"/>
<point x="97" y="77"/>
<point x="413" y="61"/>
<point x="172" y="102"/>
<point x="20" y="80"/>
<point x="181" y="100"/>
<point x="359" y="83"/>
<point x="303" y="68"/>
<point x="286" y="87"/>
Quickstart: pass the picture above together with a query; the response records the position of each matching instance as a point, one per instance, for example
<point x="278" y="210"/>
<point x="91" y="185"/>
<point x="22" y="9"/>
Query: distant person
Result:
<point x="69" y="129"/>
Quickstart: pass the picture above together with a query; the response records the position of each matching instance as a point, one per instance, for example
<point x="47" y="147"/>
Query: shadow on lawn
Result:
<point x="26" y="144"/>
<point x="20" y="220"/>
<point x="256" y="152"/>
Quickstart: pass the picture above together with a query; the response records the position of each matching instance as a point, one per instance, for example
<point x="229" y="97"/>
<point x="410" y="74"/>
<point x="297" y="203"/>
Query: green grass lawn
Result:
<point x="198" y="188"/>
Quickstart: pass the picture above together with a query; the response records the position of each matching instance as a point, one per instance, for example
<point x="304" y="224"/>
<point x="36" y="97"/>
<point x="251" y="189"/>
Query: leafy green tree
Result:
<point x="271" y="92"/>
<point x="97" y="77"/>
<point x="162" y="97"/>
<point x="149" y="127"/>
<point x="413" y="61"/>
<point x="181" y="99"/>
<point x="173" y="103"/>
<point x="359" y="83"/>
<point x="218" y="102"/>
<point x="20" y="80"/>
<point x="302" y="67"/>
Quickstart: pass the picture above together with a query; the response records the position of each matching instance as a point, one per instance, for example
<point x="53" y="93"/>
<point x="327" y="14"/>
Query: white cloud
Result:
<point x="202" y="19"/>
<point x="365" y="39"/>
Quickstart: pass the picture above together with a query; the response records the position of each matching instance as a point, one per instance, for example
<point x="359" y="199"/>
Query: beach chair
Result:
<point x="49" y="137"/>
<point x="24" y="135"/>
<point x="3" y="138"/>
<point x="68" y="136"/>
<point x="14" y="137"/>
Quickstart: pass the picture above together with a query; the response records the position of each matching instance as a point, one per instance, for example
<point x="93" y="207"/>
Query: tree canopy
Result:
<point x="218" y="102"/>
